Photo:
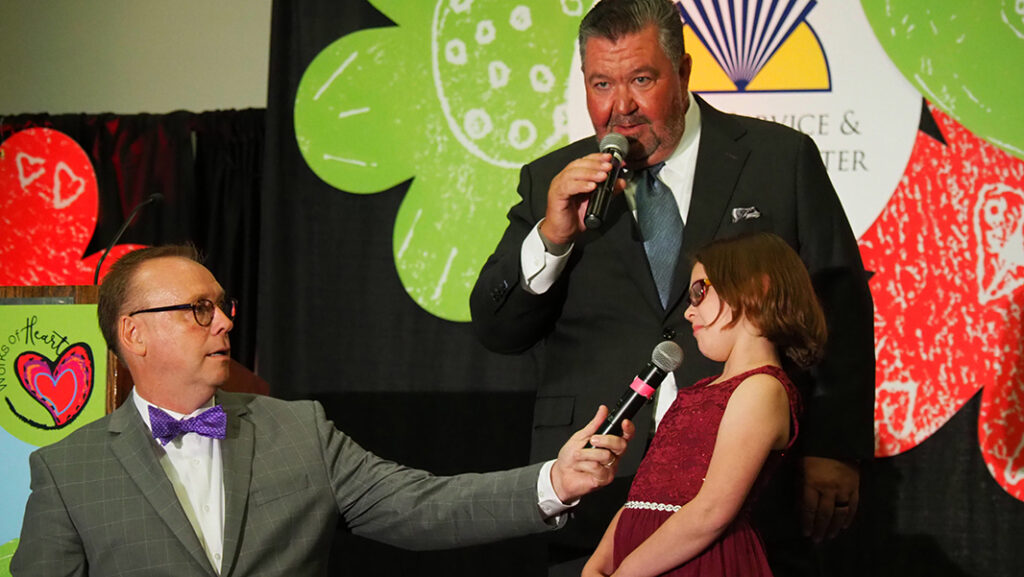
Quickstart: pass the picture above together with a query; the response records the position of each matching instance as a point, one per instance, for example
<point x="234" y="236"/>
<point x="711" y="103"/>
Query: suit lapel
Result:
<point x="132" y="446"/>
<point x="720" y="161"/>
<point x="237" y="455"/>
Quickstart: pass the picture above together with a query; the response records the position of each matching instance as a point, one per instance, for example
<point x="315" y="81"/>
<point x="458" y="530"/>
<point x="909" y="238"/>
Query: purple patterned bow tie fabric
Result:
<point x="210" y="423"/>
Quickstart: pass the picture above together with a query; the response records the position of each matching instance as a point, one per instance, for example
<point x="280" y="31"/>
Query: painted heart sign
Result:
<point x="61" y="386"/>
<point x="53" y="367"/>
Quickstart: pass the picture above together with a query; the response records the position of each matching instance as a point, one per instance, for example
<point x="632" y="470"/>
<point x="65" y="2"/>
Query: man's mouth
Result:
<point x="627" y="124"/>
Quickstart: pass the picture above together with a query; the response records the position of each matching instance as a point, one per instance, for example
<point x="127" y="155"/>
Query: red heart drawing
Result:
<point x="62" y="387"/>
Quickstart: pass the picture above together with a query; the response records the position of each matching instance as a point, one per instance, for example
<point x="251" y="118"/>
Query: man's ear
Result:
<point x="685" y="67"/>
<point x="131" y="336"/>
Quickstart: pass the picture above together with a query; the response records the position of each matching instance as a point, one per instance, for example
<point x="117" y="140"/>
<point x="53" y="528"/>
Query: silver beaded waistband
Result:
<point x="651" y="506"/>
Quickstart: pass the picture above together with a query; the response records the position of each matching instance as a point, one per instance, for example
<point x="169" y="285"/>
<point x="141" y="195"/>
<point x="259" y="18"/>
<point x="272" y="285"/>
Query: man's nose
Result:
<point x="624" y="103"/>
<point x="221" y="321"/>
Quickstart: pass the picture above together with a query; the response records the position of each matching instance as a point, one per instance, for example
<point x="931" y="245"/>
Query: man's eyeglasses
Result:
<point x="202" y="309"/>
<point x="698" y="290"/>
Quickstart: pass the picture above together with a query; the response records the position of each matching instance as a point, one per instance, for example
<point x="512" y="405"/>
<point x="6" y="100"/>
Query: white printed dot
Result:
<point x="477" y="123"/>
<point x="520" y="18"/>
<point x="572" y="7"/>
<point x="460" y="6"/>
<point x="541" y="78"/>
<point x="560" y="118"/>
<point x="522" y="134"/>
<point x="455" y="52"/>
<point x="485" y="32"/>
<point x="498" y="74"/>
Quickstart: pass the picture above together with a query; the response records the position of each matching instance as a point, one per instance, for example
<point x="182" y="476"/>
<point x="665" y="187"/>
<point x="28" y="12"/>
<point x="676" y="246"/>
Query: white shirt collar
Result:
<point x="685" y="154"/>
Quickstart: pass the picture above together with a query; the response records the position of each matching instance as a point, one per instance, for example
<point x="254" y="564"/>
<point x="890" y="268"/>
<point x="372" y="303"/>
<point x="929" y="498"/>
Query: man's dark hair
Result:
<point x="116" y="289"/>
<point x="613" y="19"/>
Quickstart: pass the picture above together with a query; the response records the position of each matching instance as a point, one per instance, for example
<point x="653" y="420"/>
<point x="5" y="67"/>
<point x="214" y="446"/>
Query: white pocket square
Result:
<point x="745" y="213"/>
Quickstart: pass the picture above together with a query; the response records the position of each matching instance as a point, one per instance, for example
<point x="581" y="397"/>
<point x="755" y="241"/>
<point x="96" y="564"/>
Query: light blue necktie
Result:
<point x="662" y="228"/>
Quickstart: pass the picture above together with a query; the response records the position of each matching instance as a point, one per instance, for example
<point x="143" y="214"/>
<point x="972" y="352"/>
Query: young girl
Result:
<point x="689" y="507"/>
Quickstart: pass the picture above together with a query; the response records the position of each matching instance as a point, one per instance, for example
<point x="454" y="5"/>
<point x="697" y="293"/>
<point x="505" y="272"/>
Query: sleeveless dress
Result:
<point x="673" y="471"/>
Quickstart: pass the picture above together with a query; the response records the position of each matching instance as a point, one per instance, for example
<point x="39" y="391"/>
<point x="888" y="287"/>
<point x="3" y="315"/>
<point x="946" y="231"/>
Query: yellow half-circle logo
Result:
<point x="798" y="65"/>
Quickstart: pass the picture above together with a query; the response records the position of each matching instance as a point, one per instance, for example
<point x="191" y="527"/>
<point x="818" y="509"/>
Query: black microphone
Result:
<point x="155" y="197"/>
<point x="667" y="357"/>
<point x="615" y="144"/>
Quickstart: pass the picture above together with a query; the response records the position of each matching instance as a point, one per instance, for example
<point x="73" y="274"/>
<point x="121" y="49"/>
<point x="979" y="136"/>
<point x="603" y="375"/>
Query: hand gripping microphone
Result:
<point x="615" y="144"/>
<point x="667" y="357"/>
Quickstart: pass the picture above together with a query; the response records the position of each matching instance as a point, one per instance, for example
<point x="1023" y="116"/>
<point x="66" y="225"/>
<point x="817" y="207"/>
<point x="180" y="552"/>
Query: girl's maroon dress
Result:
<point x="673" y="470"/>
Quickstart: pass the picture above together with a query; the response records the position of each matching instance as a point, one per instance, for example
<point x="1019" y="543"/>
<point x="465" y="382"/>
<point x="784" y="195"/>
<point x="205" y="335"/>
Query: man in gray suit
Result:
<point x="185" y="479"/>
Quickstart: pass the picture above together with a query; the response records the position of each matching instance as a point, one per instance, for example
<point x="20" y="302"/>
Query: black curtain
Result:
<point x="337" y="326"/>
<point x="207" y="166"/>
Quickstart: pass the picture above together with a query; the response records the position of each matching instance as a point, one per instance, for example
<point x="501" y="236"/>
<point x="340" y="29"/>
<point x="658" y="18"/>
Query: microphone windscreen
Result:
<point x="615" y="141"/>
<point x="667" y="356"/>
<point x="155" y="197"/>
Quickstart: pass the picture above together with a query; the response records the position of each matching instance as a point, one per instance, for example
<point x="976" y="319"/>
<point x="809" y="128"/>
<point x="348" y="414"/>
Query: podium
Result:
<point x="118" y="379"/>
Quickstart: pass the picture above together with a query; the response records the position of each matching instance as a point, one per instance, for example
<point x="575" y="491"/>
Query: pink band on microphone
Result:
<point x="642" y="388"/>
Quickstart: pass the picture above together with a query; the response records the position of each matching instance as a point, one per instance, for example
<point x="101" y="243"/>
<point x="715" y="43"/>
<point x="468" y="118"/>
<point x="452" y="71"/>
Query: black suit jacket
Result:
<point x="596" y="327"/>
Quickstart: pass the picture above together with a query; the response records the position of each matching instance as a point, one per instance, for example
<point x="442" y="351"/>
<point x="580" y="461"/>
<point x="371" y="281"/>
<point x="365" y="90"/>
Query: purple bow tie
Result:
<point x="210" y="423"/>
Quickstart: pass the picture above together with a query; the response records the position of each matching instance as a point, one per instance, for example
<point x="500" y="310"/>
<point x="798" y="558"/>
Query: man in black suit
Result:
<point x="589" y="296"/>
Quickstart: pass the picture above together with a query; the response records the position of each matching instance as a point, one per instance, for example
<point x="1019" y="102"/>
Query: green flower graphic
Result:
<point x="952" y="52"/>
<point x="457" y="96"/>
<point x="6" y="552"/>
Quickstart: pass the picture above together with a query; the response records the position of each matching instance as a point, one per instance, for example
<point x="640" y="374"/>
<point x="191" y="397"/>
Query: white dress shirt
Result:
<point x="541" y="269"/>
<point x="195" y="468"/>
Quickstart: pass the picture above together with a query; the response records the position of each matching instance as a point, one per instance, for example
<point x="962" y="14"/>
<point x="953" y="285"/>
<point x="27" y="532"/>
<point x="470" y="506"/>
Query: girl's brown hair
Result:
<point x="762" y="277"/>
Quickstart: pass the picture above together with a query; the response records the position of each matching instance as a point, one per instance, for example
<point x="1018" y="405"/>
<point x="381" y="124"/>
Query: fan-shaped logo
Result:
<point x="754" y="46"/>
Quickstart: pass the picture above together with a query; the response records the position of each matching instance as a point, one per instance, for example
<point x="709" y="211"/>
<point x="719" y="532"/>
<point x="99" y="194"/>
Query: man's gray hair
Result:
<point x="613" y="19"/>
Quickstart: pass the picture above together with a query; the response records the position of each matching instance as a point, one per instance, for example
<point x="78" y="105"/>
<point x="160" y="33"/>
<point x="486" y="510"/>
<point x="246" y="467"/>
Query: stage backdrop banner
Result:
<point x="395" y="135"/>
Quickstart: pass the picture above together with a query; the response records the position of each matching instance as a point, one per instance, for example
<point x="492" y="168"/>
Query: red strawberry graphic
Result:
<point x="948" y="256"/>
<point x="48" y="209"/>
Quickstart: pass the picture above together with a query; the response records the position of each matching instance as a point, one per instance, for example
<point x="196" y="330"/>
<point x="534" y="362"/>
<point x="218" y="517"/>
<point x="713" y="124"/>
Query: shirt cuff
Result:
<point x="540" y="268"/>
<point x="551" y="507"/>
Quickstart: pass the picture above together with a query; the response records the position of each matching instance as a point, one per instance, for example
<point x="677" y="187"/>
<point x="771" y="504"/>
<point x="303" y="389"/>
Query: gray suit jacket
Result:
<point x="102" y="505"/>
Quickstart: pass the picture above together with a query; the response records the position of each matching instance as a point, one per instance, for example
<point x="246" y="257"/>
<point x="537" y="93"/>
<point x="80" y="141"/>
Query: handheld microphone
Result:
<point x="155" y="197"/>
<point x="667" y="357"/>
<point x="615" y="144"/>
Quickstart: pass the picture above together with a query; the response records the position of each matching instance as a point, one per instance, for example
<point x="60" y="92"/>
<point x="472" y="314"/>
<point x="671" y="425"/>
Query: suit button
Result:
<point x="668" y="334"/>
<point x="498" y="292"/>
